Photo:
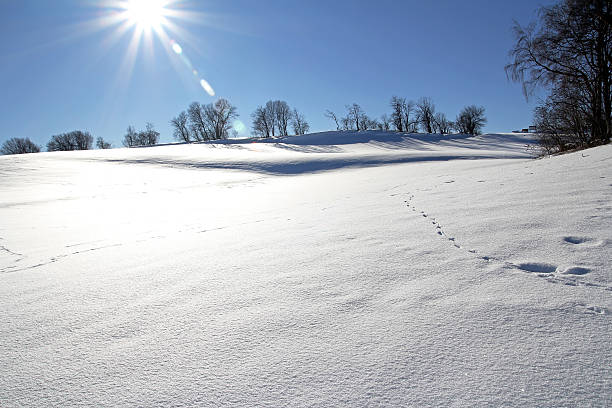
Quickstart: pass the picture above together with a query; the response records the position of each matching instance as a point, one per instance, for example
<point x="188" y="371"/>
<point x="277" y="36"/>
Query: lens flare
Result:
<point x="240" y="128"/>
<point x="177" y="48"/>
<point x="207" y="87"/>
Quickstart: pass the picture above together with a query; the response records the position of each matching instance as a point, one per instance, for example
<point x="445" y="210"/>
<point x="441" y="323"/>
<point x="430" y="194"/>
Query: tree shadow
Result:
<point x="325" y="151"/>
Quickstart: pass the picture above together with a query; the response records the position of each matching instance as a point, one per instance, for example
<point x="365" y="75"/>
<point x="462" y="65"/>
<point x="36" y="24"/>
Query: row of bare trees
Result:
<point x="408" y="116"/>
<point x="75" y="140"/>
<point x="147" y="137"/>
<point x="18" y="145"/>
<point x="200" y="122"/>
<point x="273" y="119"/>
<point x="569" y="53"/>
<point x="357" y="119"/>
<point x="213" y="121"/>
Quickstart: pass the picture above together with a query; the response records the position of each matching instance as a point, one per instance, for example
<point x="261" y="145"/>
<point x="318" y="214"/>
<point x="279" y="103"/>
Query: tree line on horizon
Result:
<point x="213" y="121"/>
<point x="410" y="117"/>
<point x="204" y="122"/>
<point x="273" y="119"/>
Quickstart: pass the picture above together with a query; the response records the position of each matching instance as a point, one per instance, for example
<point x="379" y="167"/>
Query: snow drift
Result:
<point x="332" y="269"/>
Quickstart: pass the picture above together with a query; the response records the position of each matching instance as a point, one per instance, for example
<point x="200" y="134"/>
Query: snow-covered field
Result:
<point x="333" y="269"/>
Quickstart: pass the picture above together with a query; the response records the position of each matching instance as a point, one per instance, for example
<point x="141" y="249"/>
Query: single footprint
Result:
<point x="576" y="270"/>
<point x="576" y="240"/>
<point x="596" y="310"/>
<point x="591" y="309"/>
<point x="584" y="241"/>
<point x="537" y="267"/>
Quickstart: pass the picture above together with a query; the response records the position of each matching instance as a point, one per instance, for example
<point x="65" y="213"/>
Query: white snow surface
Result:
<point x="332" y="269"/>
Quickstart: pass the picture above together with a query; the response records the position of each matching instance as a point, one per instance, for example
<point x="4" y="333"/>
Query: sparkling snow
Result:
<point x="333" y="269"/>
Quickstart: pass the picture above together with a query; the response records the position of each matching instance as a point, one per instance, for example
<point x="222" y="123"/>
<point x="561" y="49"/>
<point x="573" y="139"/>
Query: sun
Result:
<point x="146" y="14"/>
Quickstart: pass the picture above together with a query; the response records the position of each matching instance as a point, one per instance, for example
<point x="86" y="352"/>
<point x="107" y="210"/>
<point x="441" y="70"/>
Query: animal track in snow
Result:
<point x="596" y="310"/>
<point x="583" y="307"/>
<point x="582" y="241"/>
<point x="537" y="267"/>
<point x="5" y="249"/>
<point x="551" y="272"/>
<point x="576" y="240"/>
<point x="576" y="270"/>
<point x="554" y="274"/>
<point x="438" y="227"/>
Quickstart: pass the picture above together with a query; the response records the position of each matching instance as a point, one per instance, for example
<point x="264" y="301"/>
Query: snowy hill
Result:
<point x="332" y="269"/>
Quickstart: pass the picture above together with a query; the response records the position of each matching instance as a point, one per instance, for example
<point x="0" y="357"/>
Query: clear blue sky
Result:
<point x="61" y="71"/>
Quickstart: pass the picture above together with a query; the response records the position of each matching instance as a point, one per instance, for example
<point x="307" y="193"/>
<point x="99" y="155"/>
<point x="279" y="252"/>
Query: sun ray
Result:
<point x="151" y="20"/>
<point x="116" y="35"/>
<point x="129" y="59"/>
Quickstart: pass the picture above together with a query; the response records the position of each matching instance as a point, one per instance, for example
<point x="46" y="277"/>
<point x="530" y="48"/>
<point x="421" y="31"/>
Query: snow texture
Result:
<point x="333" y="269"/>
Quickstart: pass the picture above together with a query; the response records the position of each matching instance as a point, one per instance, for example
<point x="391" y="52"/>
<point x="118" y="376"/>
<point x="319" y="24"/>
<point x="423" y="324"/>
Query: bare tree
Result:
<point x="569" y="52"/>
<point x="300" y="126"/>
<point x="401" y="111"/>
<point x="102" y="144"/>
<point x="441" y="124"/>
<point x="149" y="136"/>
<point x="17" y="145"/>
<point x="131" y="137"/>
<point x="410" y="123"/>
<point x="198" y="124"/>
<point x="355" y="115"/>
<point x="270" y="112"/>
<point x="471" y="120"/>
<point x="283" y="117"/>
<point x="373" y="124"/>
<point x="426" y="110"/>
<point x="205" y="122"/>
<point x="218" y="117"/>
<point x="75" y="140"/>
<point x="346" y="123"/>
<point x="562" y="122"/>
<point x="397" y="112"/>
<point x="331" y="115"/>
<point x="385" y="123"/>
<point x="273" y="119"/>
<point x="179" y="127"/>
<point x="367" y="123"/>
<point x="261" y="127"/>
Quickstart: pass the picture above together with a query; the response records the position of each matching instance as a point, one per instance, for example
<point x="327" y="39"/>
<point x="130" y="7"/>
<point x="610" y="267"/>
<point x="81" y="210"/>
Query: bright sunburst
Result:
<point x="147" y="21"/>
<point x="146" y="14"/>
